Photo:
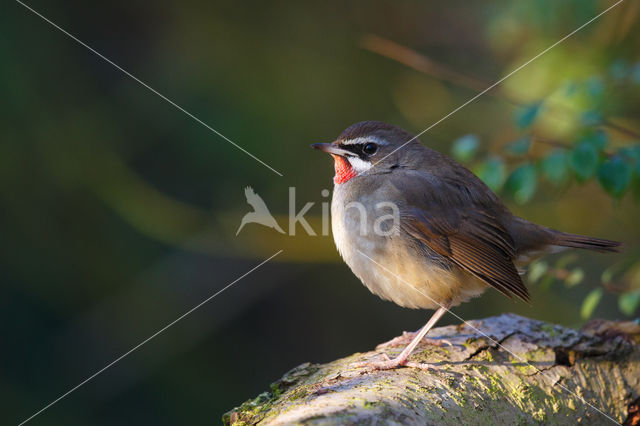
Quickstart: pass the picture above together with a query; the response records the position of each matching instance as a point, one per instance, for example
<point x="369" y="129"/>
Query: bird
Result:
<point x="260" y="213"/>
<point x="449" y="237"/>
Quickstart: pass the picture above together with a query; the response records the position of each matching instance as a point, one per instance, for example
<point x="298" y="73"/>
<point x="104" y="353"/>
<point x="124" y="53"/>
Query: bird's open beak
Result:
<point x="330" y="148"/>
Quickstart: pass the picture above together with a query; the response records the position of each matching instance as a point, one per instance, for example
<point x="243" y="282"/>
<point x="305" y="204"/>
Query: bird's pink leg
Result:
<point x="402" y="359"/>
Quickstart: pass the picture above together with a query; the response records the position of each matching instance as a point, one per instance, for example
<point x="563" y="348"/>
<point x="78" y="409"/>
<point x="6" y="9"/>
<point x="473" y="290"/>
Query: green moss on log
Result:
<point x="528" y="372"/>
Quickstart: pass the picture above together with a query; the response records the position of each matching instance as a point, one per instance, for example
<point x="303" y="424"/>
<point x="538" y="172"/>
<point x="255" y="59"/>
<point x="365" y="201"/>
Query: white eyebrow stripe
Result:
<point x="357" y="141"/>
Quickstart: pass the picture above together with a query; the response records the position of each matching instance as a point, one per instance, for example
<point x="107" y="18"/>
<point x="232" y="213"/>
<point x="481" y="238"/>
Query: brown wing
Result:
<point x="461" y="227"/>
<point x="479" y="247"/>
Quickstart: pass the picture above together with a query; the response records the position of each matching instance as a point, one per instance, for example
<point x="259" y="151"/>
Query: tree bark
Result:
<point x="528" y="372"/>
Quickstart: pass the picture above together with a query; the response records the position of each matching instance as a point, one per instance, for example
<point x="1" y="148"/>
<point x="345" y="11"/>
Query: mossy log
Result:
<point x="528" y="372"/>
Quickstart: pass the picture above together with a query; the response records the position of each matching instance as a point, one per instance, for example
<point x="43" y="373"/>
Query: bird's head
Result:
<point x="368" y="147"/>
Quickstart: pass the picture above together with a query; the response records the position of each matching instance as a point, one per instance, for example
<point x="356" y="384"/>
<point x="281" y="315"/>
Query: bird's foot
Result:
<point x="389" y="364"/>
<point x="386" y="363"/>
<point x="408" y="336"/>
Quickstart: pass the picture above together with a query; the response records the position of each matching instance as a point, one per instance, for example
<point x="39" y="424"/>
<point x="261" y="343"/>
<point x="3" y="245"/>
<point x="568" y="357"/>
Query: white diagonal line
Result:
<point x="149" y="87"/>
<point x="487" y="336"/>
<point x="503" y="79"/>
<point x="146" y="340"/>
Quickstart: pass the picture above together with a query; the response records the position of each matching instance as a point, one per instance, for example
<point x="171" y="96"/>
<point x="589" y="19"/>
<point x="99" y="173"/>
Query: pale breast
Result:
<point x="395" y="267"/>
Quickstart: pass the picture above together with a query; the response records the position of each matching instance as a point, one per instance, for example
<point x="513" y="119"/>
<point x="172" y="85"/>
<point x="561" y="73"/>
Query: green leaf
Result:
<point x="615" y="176"/>
<point x="575" y="277"/>
<point x="592" y="118"/>
<point x="546" y="282"/>
<point x="526" y="116"/>
<point x="619" y="69"/>
<point x="635" y="73"/>
<point x="519" y="147"/>
<point x="590" y="303"/>
<point x="607" y="274"/>
<point x="632" y="154"/>
<point x="492" y="172"/>
<point x="555" y="167"/>
<point x="584" y="160"/>
<point x="598" y="138"/>
<point x="635" y="189"/>
<point x="566" y="260"/>
<point x="595" y="87"/>
<point x="537" y="270"/>
<point x="522" y="183"/>
<point x="464" y="148"/>
<point x="570" y="88"/>
<point x="629" y="302"/>
<point x="629" y="268"/>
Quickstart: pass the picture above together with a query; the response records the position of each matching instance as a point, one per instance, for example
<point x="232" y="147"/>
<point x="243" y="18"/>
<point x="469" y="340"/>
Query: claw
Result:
<point x="402" y="358"/>
<point x="421" y="366"/>
<point x="386" y="363"/>
<point x="406" y="337"/>
<point x="385" y="359"/>
<point x="436" y="342"/>
<point x="446" y="342"/>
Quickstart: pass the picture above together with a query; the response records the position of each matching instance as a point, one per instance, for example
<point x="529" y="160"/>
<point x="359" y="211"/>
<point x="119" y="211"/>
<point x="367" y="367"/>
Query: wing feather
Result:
<point x="467" y="232"/>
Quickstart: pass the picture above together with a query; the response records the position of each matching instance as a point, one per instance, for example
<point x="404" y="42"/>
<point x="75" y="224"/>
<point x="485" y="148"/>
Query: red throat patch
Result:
<point x="344" y="170"/>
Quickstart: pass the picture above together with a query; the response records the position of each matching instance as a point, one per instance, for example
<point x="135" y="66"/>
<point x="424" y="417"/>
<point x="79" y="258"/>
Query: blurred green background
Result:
<point x="119" y="212"/>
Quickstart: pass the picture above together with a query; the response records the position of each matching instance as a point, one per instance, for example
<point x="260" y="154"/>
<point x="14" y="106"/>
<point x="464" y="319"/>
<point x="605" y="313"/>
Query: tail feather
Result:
<point x="583" y="242"/>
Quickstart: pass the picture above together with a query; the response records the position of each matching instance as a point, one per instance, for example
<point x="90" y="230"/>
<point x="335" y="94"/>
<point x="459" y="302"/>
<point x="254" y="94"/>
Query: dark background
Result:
<point x="118" y="212"/>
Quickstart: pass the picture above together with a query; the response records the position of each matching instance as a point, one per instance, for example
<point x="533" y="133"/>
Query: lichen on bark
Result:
<point x="528" y="372"/>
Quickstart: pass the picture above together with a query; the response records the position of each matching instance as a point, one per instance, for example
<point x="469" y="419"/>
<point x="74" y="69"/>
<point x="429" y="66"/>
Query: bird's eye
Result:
<point x="370" y="148"/>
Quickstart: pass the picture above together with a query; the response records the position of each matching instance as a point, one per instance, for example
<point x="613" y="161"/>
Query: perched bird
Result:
<point x="448" y="238"/>
<point x="260" y="213"/>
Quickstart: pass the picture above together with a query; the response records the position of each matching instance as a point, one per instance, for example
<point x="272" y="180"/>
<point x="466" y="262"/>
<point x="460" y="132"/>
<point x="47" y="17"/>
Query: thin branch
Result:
<point x="621" y="129"/>
<point x="550" y="142"/>
<point x="419" y="62"/>
<point x="562" y="145"/>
